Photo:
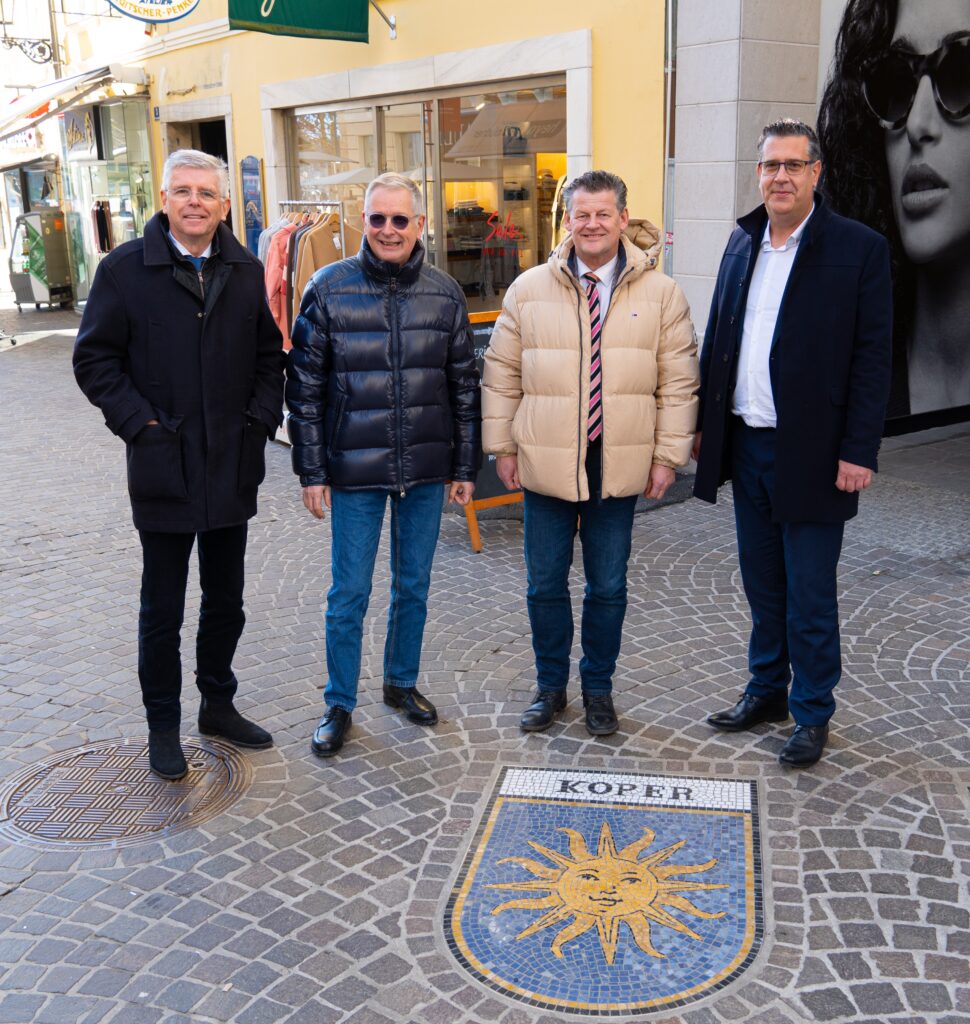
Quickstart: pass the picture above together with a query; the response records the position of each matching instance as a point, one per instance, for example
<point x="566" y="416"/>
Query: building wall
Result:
<point x="223" y="73"/>
<point x="740" y="64"/>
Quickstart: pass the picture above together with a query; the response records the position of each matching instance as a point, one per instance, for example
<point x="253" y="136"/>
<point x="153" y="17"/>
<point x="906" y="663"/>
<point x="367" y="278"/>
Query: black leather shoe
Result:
<point x="748" y="712"/>
<point x="805" y="745"/>
<point x="220" y="718"/>
<point x="416" y="707"/>
<point x="600" y="715"/>
<point x="165" y="757"/>
<point x="541" y="713"/>
<point x="329" y="735"/>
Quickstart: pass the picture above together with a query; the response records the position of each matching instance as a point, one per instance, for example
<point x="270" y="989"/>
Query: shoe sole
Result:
<point x="536" y="728"/>
<point x="603" y="732"/>
<point x="235" y="743"/>
<point x="325" y="754"/>
<point x="168" y="776"/>
<point x="410" y="718"/>
<point x="747" y="728"/>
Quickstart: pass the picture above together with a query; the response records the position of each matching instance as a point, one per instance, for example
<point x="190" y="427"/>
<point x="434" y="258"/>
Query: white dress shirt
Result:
<point x="753" y="400"/>
<point x="185" y="252"/>
<point x="605" y="286"/>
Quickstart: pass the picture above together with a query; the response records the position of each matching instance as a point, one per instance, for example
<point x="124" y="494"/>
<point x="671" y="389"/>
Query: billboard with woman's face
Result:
<point x="894" y="124"/>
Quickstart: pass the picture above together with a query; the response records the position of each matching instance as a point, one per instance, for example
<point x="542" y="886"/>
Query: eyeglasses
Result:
<point x="204" y="195"/>
<point x="769" y="168"/>
<point x="890" y="81"/>
<point x="399" y="222"/>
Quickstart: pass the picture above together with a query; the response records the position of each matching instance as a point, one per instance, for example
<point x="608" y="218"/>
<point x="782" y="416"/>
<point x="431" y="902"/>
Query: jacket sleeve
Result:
<point x="677" y="382"/>
<point x="502" y="382"/>
<point x="268" y="387"/>
<point x="708" y="347"/>
<point x="465" y="396"/>
<point x="307" y="370"/>
<point x="870" y="369"/>
<point x="101" y="359"/>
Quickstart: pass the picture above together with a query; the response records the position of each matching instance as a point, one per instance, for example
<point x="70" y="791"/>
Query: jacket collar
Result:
<point x="159" y="252"/>
<point x="381" y="270"/>
<point x="563" y="259"/>
<point x="753" y="223"/>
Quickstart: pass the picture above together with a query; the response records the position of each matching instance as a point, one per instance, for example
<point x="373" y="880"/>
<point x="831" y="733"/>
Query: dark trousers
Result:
<point x="605" y="532"/>
<point x="789" y="575"/>
<point x="165" y="570"/>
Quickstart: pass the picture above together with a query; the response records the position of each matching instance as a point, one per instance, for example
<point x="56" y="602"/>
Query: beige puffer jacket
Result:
<point x="535" y="393"/>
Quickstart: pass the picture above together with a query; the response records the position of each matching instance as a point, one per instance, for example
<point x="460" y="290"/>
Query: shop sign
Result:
<point x="321" y="19"/>
<point x="80" y="133"/>
<point x="155" y="11"/>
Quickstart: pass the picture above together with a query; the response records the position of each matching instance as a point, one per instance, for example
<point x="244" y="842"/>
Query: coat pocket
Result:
<point x="252" y="457"/>
<point x="156" y="469"/>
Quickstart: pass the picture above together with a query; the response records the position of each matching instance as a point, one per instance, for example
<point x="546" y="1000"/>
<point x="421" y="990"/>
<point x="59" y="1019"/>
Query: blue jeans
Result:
<point x="605" y="532"/>
<point x="789" y="575"/>
<point x="356" y="520"/>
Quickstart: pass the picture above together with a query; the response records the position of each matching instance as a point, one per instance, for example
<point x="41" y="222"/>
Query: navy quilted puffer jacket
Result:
<point x="381" y="382"/>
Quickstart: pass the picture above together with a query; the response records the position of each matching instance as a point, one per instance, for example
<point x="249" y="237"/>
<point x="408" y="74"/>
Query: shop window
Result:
<point x="489" y="164"/>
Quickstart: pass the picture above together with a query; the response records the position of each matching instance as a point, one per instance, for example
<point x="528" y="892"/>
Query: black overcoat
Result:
<point x="206" y="362"/>
<point x="829" y="363"/>
<point x="381" y="382"/>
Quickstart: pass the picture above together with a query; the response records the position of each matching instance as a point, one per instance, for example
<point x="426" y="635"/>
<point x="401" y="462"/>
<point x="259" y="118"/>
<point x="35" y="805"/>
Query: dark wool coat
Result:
<point x="381" y="383"/>
<point x="205" y="360"/>
<point x="829" y="363"/>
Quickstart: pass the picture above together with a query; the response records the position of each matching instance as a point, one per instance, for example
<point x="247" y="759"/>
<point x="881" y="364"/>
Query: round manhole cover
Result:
<point x="106" y="795"/>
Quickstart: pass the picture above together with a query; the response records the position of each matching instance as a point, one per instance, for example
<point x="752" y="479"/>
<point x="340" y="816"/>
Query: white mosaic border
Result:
<point x="615" y="788"/>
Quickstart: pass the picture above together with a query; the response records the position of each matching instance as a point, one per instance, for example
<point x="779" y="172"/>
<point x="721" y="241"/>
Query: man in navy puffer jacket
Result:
<point x="382" y="389"/>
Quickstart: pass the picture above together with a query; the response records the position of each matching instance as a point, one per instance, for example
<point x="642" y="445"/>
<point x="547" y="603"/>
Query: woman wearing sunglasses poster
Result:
<point x="894" y="125"/>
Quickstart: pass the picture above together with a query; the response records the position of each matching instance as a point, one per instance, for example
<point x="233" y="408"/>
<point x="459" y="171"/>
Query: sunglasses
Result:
<point x="890" y="81"/>
<point x="399" y="222"/>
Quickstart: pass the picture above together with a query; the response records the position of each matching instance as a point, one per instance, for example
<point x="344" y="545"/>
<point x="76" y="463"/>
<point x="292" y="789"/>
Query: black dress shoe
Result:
<point x="416" y="707"/>
<point x="165" y="757"/>
<point x="600" y="715"/>
<point x="328" y="737"/>
<point x="805" y="745"/>
<point x="541" y="713"/>
<point x="749" y="711"/>
<point x="220" y="718"/>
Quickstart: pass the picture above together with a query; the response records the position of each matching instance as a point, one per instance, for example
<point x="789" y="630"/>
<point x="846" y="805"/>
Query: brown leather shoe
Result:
<point x="749" y="712"/>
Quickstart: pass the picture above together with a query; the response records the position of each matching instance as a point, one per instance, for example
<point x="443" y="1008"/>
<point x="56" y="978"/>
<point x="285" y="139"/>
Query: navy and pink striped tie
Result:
<point x="595" y="422"/>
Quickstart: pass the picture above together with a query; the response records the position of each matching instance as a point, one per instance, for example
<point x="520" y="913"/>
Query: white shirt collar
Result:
<point x="185" y="252"/>
<point x="604" y="273"/>
<point x="793" y="239"/>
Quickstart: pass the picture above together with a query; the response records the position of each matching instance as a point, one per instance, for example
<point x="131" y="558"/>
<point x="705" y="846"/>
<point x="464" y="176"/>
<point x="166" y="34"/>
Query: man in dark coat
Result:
<point x="178" y="349"/>
<point x="383" y="395"/>
<point x="795" y="379"/>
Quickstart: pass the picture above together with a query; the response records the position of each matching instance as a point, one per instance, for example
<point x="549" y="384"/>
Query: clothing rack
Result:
<point x="326" y="204"/>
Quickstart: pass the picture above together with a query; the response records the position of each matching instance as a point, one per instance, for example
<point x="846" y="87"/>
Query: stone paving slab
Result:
<point x="320" y="895"/>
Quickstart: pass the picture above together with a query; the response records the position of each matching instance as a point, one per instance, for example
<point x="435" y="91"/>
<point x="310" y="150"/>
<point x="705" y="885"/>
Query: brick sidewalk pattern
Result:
<point x="318" y="897"/>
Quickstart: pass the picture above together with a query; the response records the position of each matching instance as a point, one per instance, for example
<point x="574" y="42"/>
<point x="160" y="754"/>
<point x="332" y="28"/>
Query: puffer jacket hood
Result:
<point x="537" y="374"/>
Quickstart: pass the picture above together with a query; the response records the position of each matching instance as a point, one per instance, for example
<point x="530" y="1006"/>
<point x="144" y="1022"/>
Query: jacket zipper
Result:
<point x="205" y="432"/>
<point x="579" y="427"/>
<point x="396" y="347"/>
<point x="626" y="273"/>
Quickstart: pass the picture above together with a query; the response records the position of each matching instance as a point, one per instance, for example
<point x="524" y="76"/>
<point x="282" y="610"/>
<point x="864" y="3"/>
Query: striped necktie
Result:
<point x="595" y="422"/>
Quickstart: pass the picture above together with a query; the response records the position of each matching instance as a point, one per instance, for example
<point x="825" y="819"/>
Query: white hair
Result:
<point x="196" y="158"/>
<point x="392" y="180"/>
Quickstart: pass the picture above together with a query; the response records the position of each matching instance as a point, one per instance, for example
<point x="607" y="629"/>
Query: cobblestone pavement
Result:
<point x="30" y="323"/>
<point x="318" y="897"/>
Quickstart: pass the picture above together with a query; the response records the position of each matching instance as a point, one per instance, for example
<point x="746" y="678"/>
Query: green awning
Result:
<point x="321" y="19"/>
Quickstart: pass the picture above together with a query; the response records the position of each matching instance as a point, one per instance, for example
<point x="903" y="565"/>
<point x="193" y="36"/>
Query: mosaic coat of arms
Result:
<point x="604" y="893"/>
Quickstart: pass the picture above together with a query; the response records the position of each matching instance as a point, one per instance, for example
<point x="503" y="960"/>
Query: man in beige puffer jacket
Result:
<point x="589" y="401"/>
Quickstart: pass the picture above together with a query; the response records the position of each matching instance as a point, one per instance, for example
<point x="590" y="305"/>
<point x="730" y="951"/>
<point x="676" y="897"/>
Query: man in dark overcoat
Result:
<point x="178" y="349"/>
<point x="795" y="380"/>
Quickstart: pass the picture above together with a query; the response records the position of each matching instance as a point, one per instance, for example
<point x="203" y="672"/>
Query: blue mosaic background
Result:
<point x="583" y="975"/>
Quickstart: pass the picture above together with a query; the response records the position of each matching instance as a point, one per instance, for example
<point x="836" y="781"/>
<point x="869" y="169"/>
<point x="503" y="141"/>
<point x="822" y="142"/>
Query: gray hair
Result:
<point x="392" y="180"/>
<point x="787" y="127"/>
<point x="596" y="181"/>
<point x="203" y="161"/>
